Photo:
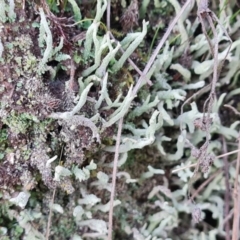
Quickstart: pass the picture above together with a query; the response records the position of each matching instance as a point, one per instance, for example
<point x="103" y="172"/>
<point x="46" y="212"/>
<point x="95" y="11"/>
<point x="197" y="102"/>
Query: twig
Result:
<point x="189" y="99"/>
<point x="72" y="75"/>
<point x="195" y="164"/>
<point x="130" y="61"/>
<point x="114" y="176"/>
<point x="108" y="14"/>
<point x="159" y="46"/>
<point x="227" y="195"/>
<point x="205" y="183"/>
<point x="233" y="109"/>
<point x="228" y="217"/>
<point x="185" y="167"/>
<point x="236" y="198"/>
<point x="50" y="215"/>
<point x="201" y="154"/>
<point x="135" y="90"/>
<point x="205" y="12"/>
<point x="201" y="187"/>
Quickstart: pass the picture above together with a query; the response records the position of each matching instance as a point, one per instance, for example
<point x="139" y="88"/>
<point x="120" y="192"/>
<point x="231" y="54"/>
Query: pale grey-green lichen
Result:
<point x="132" y="46"/>
<point x="7" y="12"/>
<point x="44" y="28"/>
<point x="1" y="48"/>
<point x="147" y="105"/>
<point x="103" y="93"/>
<point x="151" y="123"/>
<point x="99" y="45"/>
<point x="49" y="52"/>
<point x="76" y="10"/>
<point x="121" y="111"/>
<point x="94" y="26"/>
<point x="105" y="62"/>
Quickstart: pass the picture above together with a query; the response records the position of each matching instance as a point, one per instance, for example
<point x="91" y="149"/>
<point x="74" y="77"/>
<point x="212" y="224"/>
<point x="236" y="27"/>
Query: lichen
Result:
<point x="61" y="99"/>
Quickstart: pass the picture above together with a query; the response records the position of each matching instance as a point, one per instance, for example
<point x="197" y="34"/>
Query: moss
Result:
<point x="3" y="142"/>
<point x="49" y="120"/>
<point x="19" y="123"/>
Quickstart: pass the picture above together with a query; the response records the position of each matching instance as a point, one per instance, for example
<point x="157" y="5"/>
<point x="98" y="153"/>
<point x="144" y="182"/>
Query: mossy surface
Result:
<point x="64" y="86"/>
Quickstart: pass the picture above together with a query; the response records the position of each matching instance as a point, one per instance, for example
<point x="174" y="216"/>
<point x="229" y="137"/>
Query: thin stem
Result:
<point x="202" y="186"/>
<point x="135" y="90"/>
<point x="50" y="215"/>
<point x="153" y="40"/>
<point x="130" y="61"/>
<point x="227" y="195"/>
<point x="215" y="67"/>
<point x="72" y="75"/>
<point x="189" y="99"/>
<point x="233" y="109"/>
<point x="236" y="198"/>
<point x="114" y="176"/>
<point x="108" y="14"/>
<point x="228" y="217"/>
<point x="195" y="164"/>
<point x="159" y="46"/>
<point x="206" y="182"/>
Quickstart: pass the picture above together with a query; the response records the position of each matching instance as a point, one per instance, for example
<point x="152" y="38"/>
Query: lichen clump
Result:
<point x="65" y="84"/>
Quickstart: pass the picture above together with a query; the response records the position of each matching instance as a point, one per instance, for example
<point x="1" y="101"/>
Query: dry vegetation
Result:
<point x="119" y="119"/>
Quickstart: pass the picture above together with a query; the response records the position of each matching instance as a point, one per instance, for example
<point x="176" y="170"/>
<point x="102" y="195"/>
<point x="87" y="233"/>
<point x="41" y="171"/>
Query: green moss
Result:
<point x="19" y="123"/>
<point x="3" y="142"/>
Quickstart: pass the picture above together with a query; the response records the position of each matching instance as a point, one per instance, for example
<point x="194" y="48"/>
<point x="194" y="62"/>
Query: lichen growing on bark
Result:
<point x="65" y="83"/>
